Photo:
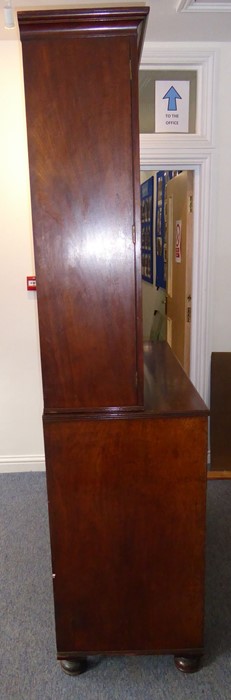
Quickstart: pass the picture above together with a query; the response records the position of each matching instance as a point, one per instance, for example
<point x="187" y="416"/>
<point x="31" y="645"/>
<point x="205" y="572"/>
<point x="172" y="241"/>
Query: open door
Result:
<point x="179" y="202"/>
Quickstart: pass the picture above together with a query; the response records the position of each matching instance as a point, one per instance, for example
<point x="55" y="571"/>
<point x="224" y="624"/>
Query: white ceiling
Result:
<point x="166" y="22"/>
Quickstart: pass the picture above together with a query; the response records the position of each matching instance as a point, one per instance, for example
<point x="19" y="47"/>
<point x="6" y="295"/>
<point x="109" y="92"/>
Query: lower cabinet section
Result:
<point x="127" y="523"/>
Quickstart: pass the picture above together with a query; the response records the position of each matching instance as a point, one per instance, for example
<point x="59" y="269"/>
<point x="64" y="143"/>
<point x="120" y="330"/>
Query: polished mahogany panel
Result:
<point x="127" y="520"/>
<point x="167" y="389"/>
<point x="220" y="405"/>
<point x="83" y="142"/>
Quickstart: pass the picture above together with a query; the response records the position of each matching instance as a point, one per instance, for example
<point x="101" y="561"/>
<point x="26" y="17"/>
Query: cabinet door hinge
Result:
<point x="136" y="380"/>
<point x="134" y="234"/>
<point x="188" y="313"/>
<point x="190" y="204"/>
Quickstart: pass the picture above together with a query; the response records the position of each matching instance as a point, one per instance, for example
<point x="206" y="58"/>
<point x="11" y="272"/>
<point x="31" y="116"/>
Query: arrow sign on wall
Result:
<point x="172" y="96"/>
<point x="172" y="115"/>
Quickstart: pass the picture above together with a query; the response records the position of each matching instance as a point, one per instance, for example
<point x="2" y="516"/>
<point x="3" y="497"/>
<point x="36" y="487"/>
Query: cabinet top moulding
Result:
<point x="38" y="23"/>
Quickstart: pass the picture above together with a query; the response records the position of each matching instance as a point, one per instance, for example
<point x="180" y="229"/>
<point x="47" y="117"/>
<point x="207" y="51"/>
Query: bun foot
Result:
<point x="187" y="664"/>
<point x="74" y="666"/>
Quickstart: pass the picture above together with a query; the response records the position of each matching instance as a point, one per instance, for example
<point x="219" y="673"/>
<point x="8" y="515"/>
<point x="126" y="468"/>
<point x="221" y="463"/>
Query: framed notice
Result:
<point x="147" y="230"/>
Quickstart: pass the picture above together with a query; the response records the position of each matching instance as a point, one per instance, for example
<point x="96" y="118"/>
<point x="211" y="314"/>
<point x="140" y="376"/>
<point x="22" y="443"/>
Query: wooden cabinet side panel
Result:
<point x="220" y="421"/>
<point x="81" y="151"/>
<point x="127" y="519"/>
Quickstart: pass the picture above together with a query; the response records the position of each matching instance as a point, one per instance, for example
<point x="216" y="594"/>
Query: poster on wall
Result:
<point x="161" y="229"/>
<point x="146" y="191"/>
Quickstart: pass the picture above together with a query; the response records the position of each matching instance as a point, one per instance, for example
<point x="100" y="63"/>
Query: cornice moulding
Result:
<point x="202" y="6"/>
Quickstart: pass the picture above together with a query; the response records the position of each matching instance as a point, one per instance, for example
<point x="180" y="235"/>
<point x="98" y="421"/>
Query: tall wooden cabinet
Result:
<point x="125" y="457"/>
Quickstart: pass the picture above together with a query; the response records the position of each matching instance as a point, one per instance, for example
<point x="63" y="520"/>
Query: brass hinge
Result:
<point x="134" y="234"/>
<point x="189" y="299"/>
<point x="190" y="204"/>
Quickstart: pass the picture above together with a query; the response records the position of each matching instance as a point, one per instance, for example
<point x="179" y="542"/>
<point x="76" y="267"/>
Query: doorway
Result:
<point x="167" y="292"/>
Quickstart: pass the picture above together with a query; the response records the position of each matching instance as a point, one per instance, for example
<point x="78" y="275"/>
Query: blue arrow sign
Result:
<point x="172" y="96"/>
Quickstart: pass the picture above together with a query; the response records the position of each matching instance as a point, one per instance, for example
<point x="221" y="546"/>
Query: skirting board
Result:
<point x="22" y="463"/>
<point x="28" y="463"/>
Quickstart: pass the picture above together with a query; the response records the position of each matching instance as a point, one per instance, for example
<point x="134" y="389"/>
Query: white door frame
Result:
<point x="191" y="152"/>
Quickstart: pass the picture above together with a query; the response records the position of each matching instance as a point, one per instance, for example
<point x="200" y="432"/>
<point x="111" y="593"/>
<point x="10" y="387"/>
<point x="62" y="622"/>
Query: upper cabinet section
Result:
<point x="81" y="89"/>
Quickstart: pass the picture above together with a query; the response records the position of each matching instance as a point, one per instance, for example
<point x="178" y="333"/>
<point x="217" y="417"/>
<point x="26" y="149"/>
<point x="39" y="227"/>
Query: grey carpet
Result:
<point x="28" y="666"/>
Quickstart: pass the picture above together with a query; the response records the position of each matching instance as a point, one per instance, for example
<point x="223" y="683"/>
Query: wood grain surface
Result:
<point x="82" y="124"/>
<point x="127" y="520"/>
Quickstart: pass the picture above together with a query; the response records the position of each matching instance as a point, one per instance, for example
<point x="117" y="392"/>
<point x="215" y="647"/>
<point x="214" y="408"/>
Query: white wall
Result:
<point x="21" y="441"/>
<point x="221" y="271"/>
